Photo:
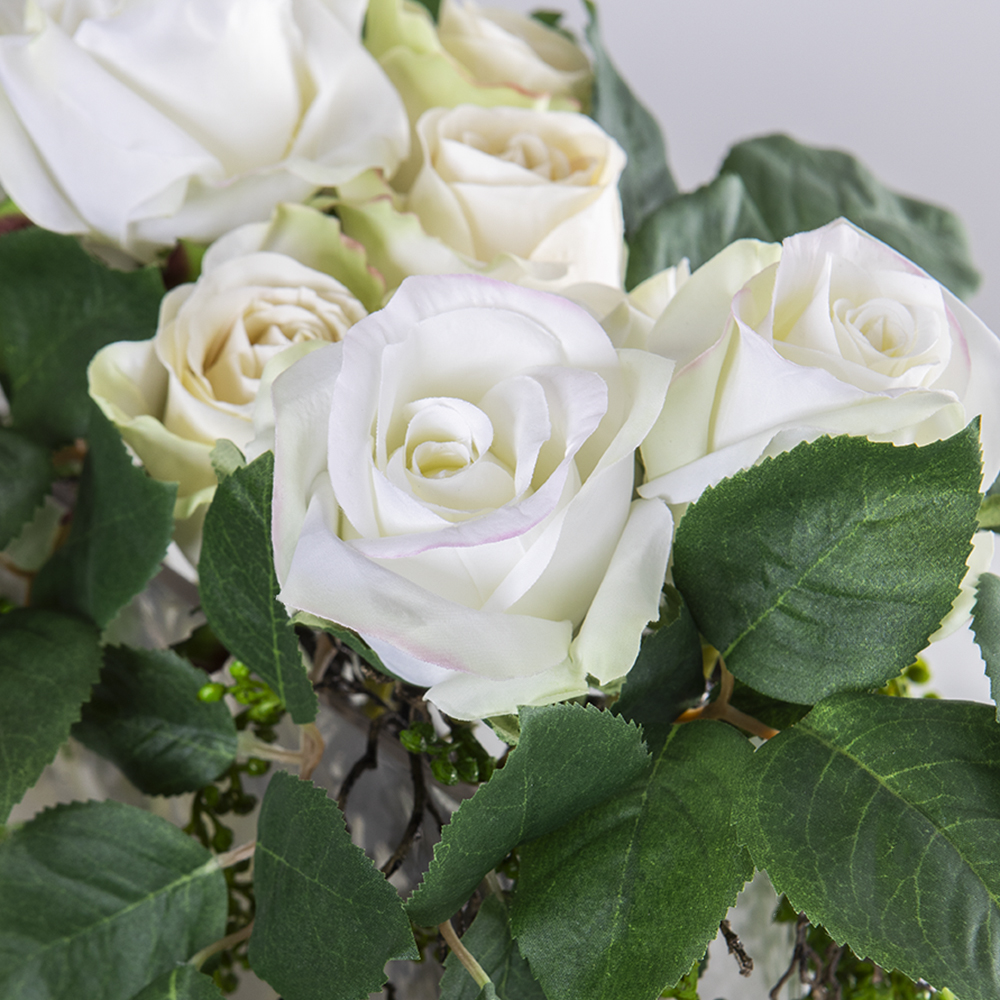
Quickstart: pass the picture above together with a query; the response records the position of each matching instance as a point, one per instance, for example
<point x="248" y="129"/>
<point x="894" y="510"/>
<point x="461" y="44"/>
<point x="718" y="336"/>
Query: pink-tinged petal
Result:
<point x="628" y="598"/>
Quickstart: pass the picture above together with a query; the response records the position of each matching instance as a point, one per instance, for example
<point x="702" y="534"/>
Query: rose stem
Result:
<point x="199" y="959"/>
<point x="721" y="709"/>
<point x="464" y="956"/>
<point x="416" y="816"/>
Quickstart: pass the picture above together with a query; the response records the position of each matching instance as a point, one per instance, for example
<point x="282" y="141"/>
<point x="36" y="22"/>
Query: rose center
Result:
<point x="533" y="153"/>
<point x="886" y="325"/>
<point x="445" y="436"/>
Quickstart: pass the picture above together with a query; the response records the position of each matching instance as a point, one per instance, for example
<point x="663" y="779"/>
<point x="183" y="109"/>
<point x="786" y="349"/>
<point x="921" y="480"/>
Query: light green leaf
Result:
<point x="697" y="226"/>
<point x="146" y="717"/>
<point x="58" y="306"/>
<point x="826" y="568"/>
<point x="568" y="759"/>
<point x="48" y="662"/>
<point x="646" y="182"/>
<point x="26" y="473"/>
<point x="490" y="943"/>
<point x="618" y="904"/>
<point x="986" y="627"/>
<point x="327" y="920"/>
<point x="226" y="459"/>
<point x="798" y="187"/>
<point x="99" y="898"/>
<point x="239" y="586"/>
<point x="880" y="818"/>
<point x="183" y="983"/>
<point x="121" y="528"/>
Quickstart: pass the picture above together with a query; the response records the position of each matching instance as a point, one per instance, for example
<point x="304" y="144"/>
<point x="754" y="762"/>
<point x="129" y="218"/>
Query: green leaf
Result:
<point x="327" y="921"/>
<point x="880" y="818"/>
<point x="239" y="587"/>
<point x="826" y="568"/>
<point x="490" y="943"/>
<point x="146" y="717"/>
<point x="432" y="6"/>
<point x="986" y="627"/>
<point x="989" y="511"/>
<point x="798" y="187"/>
<point x="697" y="226"/>
<point x="57" y="308"/>
<point x="618" y="904"/>
<point x="121" y="528"/>
<point x="667" y="676"/>
<point x="99" y="898"/>
<point x="646" y="182"/>
<point x="183" y="983"/>
<point x="26" y="473"/>
<point x="48" y="662"/>
<point x="350" y="639"/>
<point x="568" y="759"/>
<point x="226" y="458"/>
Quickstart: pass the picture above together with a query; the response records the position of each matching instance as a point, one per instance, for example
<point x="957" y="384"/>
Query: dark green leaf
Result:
<point x="667" y="676"/>
<point x="26" y="473"/>
<point x="146" y="717"/>
<point x="826" y="568"/>
<point x="488" y="992"/>
<point x="432" y="6"/>
<point x="121" y="528"/>
<point x="772" y="712"/>
<point x="798" y="187"/>
<point x="99" y="898"/>
<point x="239" y="587"/>
<point x="986" y="626"/>
<point x="646" y="182"/>
<point x="327" y="920"/>
<point x="880" y="818"/>
<point x="697" y="226"/>
<point x="618" y="904"/>
<point x="183" y="983"/>
<point x="490" y="943"/>
<point x="568" y="759"/>
<point x="57" y="308"/>
<point x="48" y="662"/>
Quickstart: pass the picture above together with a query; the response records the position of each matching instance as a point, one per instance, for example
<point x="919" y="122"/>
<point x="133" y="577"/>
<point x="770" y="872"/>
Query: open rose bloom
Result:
<point x="455" y="482"/>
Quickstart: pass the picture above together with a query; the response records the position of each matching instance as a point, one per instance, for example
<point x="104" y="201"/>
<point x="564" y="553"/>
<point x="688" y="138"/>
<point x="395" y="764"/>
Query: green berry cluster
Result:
<point x="264" y="706"/>
<point x="902" y="686"/>
<point x="460" y="758"/>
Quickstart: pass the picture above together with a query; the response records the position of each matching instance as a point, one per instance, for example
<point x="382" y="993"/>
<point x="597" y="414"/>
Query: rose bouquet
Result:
<point x="366" y="372"/>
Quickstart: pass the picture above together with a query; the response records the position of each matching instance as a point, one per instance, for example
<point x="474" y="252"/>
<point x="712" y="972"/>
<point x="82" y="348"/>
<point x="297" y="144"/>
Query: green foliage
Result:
<point x="826" y="568"/>
<point x="667" y="676"/>
<point x="57" y="308"/>
<point x="568" y="759"/>
<point x="97" y="899"/>
<point x="986" y="626"/>
<point x="145" y="716"/>
<point x="433" y="6"/>
<point x="697" y="226"/>
<point x="239" y="587"/>
<point x="48" y="662"/>
<point x="646" y="182"/>
<point x="344" y="635"/>
<point x="878" y="817"/>
<point x="797" y="187"/>
<point x="619" y="903"/>
<point x="183" y="983"/>
<point x="490" y="942"/>
<point x="327" y="921"/>
<point x="26" y="473"/>
<point x="121" y="528"/>
<point x="461" y="758"/>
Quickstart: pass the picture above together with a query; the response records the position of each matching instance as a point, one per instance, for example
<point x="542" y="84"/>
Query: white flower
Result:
<point x="832" y="332"/>
<point x="454" y="481"/>
<point x="539" y="185"/>
<point x="136" y="122"/>
<point x="197" y="380"/>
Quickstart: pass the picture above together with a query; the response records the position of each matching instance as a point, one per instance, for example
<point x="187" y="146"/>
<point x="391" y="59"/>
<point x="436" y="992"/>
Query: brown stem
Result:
<point x="416" y="817"/>
<point x="311" y="747"/>
<point x="721" y="709"/>
<point x="736" y="948"/>
<point x="236" y="855"/>
<point x="367" y="762"/>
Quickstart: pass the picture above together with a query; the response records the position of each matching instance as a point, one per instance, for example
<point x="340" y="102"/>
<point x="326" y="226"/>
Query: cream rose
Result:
<point x="141" y="121"/>
<point x="832" y="332"/>
<point x="454" y="481"/>
<point x="539" y="185"/>
<point x="197" y="380"/>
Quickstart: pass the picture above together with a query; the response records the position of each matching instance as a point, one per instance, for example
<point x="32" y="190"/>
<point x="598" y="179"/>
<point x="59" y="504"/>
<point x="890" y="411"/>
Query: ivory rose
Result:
<point x="454" y="481"/>
<point x="539" y="185"/>
<point x="197" y="380"/>
<point x="141" y="121"/>
<point x="832" y="332"/>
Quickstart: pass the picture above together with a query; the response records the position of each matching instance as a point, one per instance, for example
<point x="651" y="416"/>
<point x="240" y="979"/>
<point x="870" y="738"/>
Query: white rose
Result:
<point x="197" y="380"/>
<point x="505" y="47"/>
<point x="538" y="185"/>
<point x="140" y="121"/>
<point x="471" y="514"/>
<point x="833" y="332"/>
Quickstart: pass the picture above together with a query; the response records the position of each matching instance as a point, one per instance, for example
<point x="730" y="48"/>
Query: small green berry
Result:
<point x="918" y="672"/>
<point x="257" y="766"/>
<point x="222" y="840"/>
<point x="211" y="692"/>
<point x="468" y="770"/>
<point x="239" y="671"/>
<point x="445" y="772"/>
<point x="412" y="741"/>
<point x="210" y="796"/>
